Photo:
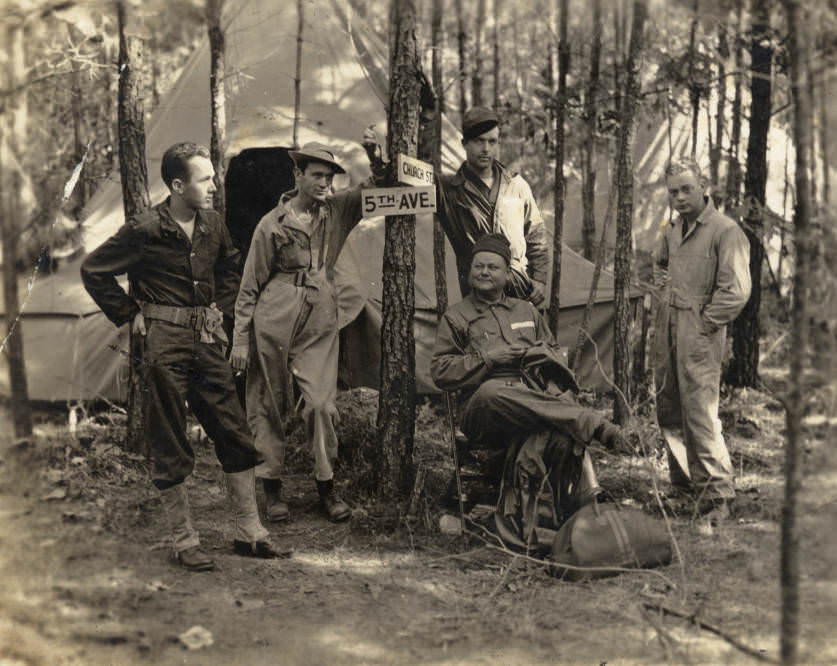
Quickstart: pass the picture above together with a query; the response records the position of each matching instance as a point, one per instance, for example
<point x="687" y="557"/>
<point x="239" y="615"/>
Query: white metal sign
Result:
<point x="398" y="201"/>
<point x="412" y="171"/>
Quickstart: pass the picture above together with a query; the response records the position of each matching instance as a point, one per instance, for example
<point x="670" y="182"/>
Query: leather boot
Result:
<point x="249" y="535"/>
<point x="187" y="550"/>
<point x="334" y="507"/>
<point x="275" y="508"/>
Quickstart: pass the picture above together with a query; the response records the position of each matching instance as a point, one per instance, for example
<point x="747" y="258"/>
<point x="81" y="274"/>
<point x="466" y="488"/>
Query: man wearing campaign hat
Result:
<point x="483" y="197"/>
<point x="484" y="346"/>
<point x="286" y="323"/>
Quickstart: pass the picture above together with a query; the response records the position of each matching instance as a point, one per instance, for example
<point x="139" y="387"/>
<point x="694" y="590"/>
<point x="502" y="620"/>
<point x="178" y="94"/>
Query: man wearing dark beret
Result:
<point x="481" y="350"/>
<point x="483" y="197"/>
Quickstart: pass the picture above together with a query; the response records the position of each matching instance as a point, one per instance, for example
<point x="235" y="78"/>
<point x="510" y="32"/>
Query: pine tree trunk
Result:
<point x="588" y="148"/>
<point x="694" y="90"/>
<point x="13" y="124"/>
<point x="300" y="25"/>
<point x="826" y="162"/>
<point x="396" y="407"/>
<point x="439" y="272"/>
<point x="624" y="218"/>
<point x="733" y="185"/>
<point x="134" y="176"/>
<point x="743" y="371"/>
<point x="463" y="70"/>
<point x="217" y="100"/>
<point x="560" y="185"/>
<point x="715" y="152"/>
<point x="476" y="74"/>
<point x="796" y="399"/>
<point x="497" y="77"/>
<point x="618" y="54"/>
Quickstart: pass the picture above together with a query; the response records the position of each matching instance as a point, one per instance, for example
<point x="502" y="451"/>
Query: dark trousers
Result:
<point x="506" y="408"/>
<point x="178" y="367"/>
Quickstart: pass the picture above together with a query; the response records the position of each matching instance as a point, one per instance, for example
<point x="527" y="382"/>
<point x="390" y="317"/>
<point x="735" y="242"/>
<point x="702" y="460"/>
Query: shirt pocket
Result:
<point x="523" y="331"/>
<point x="482" y="335"/>
<point x="693" y="272"/>
<point x="291" y="251"/>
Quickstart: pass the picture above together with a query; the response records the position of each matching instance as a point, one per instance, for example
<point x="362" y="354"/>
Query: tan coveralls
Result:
<point x="706" y="286"/>
<point x="286" y="312"/>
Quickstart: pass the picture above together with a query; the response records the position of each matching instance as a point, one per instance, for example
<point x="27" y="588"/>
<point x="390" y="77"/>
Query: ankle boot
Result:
<point x="335" y="508"/>
<point x="187" y="550"/>
<point x="275" y="508"/>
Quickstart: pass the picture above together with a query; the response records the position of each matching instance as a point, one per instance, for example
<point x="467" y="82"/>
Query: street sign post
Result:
<point x="412" y="171"/>
<point x="398" y="201"/>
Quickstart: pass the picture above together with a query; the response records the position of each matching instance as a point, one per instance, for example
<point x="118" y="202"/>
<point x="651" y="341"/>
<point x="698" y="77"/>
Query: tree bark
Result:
<point x="497" y="78"/>
<point x="217" y="100"/>
<point x="795" y="403"/>
<point x="588" y="148"/>
<point x="134" y="177"/>
<point x="476" y="74"/>
<point x="439" y="272"/>
<point x="743" y="371"/>
<point x="715" y="152"/>
<point x="396" y="407"/>
<point x="694" y="89"/>
<point x="733" y="185"/>
<point x="624" y="218"/>
<point x="463" y="71"/>
<point x="560" y="186"/>
<point x="13" y="124"/>
<point x="823" y="116"/>
<point x="300" y="15"/>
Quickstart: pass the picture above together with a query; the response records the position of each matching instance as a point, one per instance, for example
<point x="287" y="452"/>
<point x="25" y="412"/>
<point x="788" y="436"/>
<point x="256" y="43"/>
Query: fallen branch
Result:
<point x="738" y="645"/>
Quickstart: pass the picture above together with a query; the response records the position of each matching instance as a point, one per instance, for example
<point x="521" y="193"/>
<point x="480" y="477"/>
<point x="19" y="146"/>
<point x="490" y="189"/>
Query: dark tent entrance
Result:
<point x="255" y="180"/>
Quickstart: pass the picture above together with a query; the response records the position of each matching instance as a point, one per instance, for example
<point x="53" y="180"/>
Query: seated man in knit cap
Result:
<point x="484" y="197"/>
<point x="498" y="353"/>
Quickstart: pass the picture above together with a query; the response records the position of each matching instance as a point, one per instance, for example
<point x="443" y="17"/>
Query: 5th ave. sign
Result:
<point x="403" y="200"/>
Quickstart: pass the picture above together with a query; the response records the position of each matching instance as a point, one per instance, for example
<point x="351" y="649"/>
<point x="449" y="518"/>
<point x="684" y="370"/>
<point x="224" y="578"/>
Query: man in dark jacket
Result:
<point x="483" y="197"/>
<point x="183" y="274"/>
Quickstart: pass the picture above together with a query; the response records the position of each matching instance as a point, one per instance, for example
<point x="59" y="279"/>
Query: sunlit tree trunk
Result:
<point x="560" y="185"/>
<point x="476" y="73"/>
<point x="588" y="148"/>
<point x="134" y="177"/>
<point x="396" y="408"/>
<point x="743" y="371"/>
<point x="218" y="119"/>
<point x="13" y="124"/>
<point x="796" y="399"/>
<point x="624" y="217"/>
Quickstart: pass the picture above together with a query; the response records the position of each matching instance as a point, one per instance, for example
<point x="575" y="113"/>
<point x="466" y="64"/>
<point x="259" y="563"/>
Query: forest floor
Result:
<point x="86" y="575"/>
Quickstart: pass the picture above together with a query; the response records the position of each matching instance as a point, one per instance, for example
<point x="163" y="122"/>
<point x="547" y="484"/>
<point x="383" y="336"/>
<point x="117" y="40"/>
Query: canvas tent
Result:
<point x="72" y="350"/>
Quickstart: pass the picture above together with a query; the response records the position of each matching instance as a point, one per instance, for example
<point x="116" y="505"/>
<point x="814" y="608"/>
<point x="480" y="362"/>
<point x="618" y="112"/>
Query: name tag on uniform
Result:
<point x="522" y="324"/>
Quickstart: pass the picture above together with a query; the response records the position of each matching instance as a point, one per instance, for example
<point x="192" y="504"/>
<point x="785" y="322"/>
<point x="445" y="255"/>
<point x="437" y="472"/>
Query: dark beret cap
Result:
<point x="496" y="243"/>
<point x="478" y="121"/>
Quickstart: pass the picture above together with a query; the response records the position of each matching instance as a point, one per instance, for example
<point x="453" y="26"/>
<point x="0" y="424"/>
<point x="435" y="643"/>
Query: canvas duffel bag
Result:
<point x="606" y="535"/>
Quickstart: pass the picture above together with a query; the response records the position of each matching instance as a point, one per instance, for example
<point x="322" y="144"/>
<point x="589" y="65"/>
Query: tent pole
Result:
<point x="298" y="80"/>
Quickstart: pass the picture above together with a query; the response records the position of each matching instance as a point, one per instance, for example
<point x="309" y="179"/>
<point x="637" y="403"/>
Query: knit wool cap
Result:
<point x="496" y="243"/>
<point x="478" y="121"/>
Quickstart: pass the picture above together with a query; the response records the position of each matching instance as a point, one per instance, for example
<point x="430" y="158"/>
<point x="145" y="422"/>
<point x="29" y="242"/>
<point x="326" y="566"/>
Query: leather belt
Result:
<point x="206" y="320"/>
